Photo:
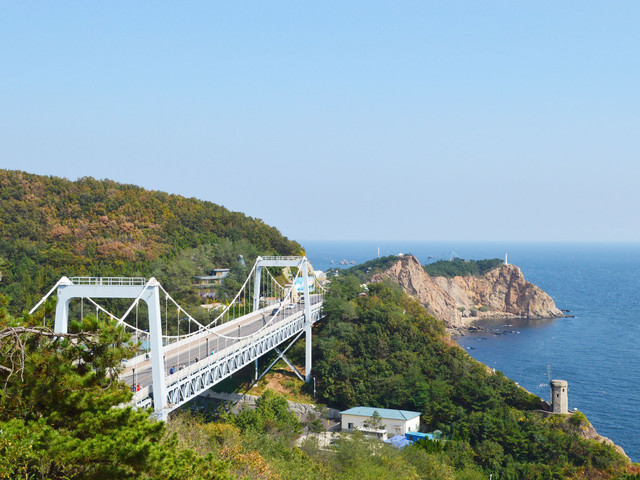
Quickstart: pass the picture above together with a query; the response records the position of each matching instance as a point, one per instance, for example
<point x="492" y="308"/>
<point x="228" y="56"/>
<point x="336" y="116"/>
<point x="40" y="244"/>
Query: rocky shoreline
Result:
<point x="502" y="294"/>
<point x="459" y="331"/>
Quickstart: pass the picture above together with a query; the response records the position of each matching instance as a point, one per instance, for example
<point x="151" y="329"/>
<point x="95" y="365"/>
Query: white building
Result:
<point x="394" y="422"/>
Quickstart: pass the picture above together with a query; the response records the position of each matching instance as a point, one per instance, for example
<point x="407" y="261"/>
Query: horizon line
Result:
<point x="465" y="241"/>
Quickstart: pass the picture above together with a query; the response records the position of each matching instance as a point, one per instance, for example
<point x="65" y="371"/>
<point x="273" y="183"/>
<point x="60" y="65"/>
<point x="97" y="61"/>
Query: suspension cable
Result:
<point x="283" y="295"/>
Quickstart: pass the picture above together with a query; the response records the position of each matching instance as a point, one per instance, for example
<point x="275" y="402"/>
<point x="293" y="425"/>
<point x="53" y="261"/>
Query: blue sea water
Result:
<point x="596" y="351"/>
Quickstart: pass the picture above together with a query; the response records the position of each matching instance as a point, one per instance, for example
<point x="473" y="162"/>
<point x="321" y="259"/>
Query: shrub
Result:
<point x="578" y="419"/>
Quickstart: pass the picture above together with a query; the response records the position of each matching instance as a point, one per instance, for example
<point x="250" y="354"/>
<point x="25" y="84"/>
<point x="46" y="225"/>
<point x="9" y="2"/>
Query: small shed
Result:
<point x="395" y="422"/>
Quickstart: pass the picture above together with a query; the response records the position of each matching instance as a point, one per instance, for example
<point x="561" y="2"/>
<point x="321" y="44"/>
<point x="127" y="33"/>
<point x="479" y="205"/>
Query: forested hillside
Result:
<point x="52" y="226"/>
<point x="375" y="347"/>
<point x="58" y="421"/>
<point x="458" y="266"/>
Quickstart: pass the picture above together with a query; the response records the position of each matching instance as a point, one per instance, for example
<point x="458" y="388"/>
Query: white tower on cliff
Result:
<point x="505" y="259"/>
<point x="559" y="396"/>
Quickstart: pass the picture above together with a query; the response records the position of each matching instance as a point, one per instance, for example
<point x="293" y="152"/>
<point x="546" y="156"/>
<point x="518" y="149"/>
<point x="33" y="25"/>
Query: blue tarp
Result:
<point x="399" y="441"/>
<point x="417" y="436"/>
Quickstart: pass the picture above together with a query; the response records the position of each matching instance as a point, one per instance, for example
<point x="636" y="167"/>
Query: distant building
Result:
<point x="394" y="422"/>
<point x="207" y="283"/>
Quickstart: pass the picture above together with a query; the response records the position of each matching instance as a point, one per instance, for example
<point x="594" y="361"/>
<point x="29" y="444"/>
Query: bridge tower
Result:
<point x="136" y="288"/>
<point x="303" y="264"/>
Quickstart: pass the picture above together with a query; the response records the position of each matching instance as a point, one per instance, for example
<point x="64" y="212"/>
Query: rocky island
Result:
<point x="502" y="292"/>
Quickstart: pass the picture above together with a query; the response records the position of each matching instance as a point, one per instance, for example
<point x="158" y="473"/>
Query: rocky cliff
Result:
<point x="501" y="293"/>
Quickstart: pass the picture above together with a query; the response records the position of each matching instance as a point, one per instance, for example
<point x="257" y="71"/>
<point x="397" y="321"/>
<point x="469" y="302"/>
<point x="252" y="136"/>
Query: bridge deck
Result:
<point x="201" y="361"/>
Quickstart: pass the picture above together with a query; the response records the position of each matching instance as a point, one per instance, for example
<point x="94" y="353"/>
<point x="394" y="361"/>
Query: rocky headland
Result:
<point x="501" y="293"/>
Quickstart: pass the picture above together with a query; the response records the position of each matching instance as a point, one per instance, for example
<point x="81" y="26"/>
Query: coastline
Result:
<point x="472" y="327"/>
<point x="587" y="431"/>
<point x="596" y="281"/>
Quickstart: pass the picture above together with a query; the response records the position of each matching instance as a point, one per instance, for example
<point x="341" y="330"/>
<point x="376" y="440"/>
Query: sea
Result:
<point x="596" y="348"/>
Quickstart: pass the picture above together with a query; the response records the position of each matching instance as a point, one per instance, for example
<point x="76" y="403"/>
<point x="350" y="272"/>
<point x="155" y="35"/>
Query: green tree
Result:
<point x="313" y="424"/>
<point x="270" y="415"/>
<point x="374" y="421"/>
<point x="4" y="267"/>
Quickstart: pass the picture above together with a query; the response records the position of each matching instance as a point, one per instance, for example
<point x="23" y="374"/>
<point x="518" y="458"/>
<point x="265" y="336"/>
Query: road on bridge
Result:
<point x="204" y="345"/>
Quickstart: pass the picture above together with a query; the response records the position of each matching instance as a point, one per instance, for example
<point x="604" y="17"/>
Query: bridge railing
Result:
<point x="215" y="333"/>
<point x="127" y="281"/>
<point x="228" y="349"/>
<point x="294" y="258"/>
<point x="198" y="377"/>
<point x="228" y="339"/>
<point x="219" y="341"/>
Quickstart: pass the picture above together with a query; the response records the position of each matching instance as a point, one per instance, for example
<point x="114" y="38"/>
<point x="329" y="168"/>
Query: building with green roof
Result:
<point x="390" y="421"/>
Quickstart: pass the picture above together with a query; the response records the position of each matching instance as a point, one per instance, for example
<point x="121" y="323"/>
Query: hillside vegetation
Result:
<point x="52" y="226"/>
<point x="459" y="267"/>
<point x="58" y="421"/>
<point x="376" y="347"/>
<point x="366" y="270"/>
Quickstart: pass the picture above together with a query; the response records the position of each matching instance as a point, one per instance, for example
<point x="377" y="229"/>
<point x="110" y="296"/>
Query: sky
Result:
<point x="398" y="120"/>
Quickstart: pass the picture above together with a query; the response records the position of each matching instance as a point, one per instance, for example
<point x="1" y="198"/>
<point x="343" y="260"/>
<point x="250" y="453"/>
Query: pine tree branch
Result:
<point x="12" y="340"/>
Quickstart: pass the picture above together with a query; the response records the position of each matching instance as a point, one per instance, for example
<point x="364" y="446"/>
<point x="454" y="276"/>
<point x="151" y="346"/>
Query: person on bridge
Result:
<point x="172" y="370"/>
<point x="137" y="387"/>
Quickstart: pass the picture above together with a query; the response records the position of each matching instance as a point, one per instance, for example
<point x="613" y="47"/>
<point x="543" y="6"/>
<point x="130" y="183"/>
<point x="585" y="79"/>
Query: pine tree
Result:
<point x="61" y="413"/>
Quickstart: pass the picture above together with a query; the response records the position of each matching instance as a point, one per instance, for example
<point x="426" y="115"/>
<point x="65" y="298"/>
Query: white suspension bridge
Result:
<point x="181" y="357"/>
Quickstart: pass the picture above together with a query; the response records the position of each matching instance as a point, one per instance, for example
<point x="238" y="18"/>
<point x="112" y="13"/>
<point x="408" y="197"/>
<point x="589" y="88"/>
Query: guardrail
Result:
<point x="294" y="258"/>
<point x="199" y="377"/>
<point x="108" y="280"/>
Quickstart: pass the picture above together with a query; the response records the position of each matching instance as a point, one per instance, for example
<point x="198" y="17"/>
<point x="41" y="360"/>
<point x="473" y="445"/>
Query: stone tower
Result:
<point x="559" y="396"/>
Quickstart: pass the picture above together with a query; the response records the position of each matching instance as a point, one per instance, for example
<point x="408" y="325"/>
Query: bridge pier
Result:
<point x="307" y="322"/>
<point x="256" y="288"/>
<point x="61" y="324"/>
<point x="158" y="372"/>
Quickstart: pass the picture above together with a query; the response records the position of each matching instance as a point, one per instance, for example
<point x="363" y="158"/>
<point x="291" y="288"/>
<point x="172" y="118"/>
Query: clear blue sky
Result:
<point x="474" y="120"/>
